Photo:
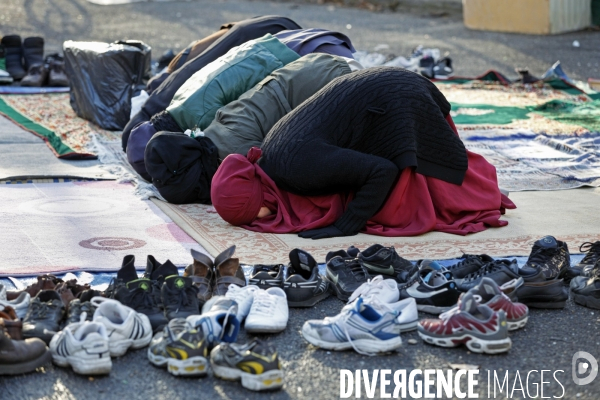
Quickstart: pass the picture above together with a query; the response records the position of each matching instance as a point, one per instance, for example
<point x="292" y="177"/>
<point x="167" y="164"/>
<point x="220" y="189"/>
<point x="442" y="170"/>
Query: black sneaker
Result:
<point x="379" y="260"/>
<point x="126" y="274"/>
<point x="179" y="297"/>
<point x="267" y="276"/>
<point x="592" y="256"/>
<point x="137" y="294"/>
<point x="588" y="294"/>
<point x="82" y="305"/>
<point x="346" y="274"/>
<point x="543" y="294"/>
<point x="500" y="271"/>
<point x="44" y="315"/>
<point x="304" y="286"/>
<point x="470" y="263"/>
<point x="432" y="291"/>
<point x="157" y="273"/>
<point x="552" y="257"/>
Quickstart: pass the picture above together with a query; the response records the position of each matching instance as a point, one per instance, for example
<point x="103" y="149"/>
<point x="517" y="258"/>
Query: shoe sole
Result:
<point x="366" y="345"/>
<point x="409" y="326"/>
<point x="193" y="366"/>
<point x="310" y="302"/>
<point x="269" y="380"/>
<point x="120" y="347"/>
<point x="586" y="301"/>
<point x="158" y="361"/>
<point x="264" y="328"/>
<point x="513" y="325"/>
<point x="25" y="367"/>
<point x="476" y="345"/>
<point x="544" y="304"/>
<point x="85" y="366"/>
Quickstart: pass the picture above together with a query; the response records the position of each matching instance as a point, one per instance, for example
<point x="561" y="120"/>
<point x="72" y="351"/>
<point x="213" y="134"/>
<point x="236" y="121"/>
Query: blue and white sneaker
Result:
<point x="220" y="323"/>
<point x="359" y="326"/>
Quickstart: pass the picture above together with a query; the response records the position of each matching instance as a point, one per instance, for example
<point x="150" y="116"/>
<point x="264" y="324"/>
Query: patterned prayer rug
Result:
<point x="540" y="136"/>
<point x="570" y="215"/>
<point x="83" y="226"/>
<point x="51" y="117"/>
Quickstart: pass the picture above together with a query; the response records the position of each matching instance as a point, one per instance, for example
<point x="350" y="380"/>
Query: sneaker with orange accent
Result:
<point x="492" y="296"/>
<point x="477" y="326"/>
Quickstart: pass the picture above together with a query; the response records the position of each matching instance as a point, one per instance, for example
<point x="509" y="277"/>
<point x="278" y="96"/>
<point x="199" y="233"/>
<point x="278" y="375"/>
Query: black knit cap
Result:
<point x="181" y="167"/>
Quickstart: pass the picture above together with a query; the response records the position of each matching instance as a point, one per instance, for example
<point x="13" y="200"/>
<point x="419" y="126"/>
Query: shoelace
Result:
<point x="145" y="299"/>
<point x="356" y="269"/>
<point x="540" y="255"/>
<point x="263" y="303"/>
<point x="372" y="287"/>
<point x="485" y="270"/>
<point x="180" y="298"/>
<point x="225" y="321"/>
<point x="445" y="316"/>
<point x="592" y="250"/>
<point x="468" y="258"/>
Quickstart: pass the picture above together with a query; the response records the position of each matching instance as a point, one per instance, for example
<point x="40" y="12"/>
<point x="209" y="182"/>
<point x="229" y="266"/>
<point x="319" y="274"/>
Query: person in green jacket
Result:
<point x="236" y="128"/>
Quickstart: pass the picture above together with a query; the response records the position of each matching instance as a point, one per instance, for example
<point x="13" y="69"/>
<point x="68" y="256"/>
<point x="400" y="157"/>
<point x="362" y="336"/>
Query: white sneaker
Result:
<point x="20" y="304"/>
<point x="408" y="314"/>
<point x="126" y="328"/>
<point x="84" y="346"/>
<point x="219" y="323"/>
<point x="243" y="296"/>
<point x="385" y="290"/>
<point x="359" y="326"/>
<point x="269" y="311"/>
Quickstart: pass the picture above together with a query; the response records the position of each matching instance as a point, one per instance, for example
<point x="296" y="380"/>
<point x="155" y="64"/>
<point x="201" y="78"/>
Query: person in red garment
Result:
<point x="454" y="193"/>
<point x="416" y="205"/>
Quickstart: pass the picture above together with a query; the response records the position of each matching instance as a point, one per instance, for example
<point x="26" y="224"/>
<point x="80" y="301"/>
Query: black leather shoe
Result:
<point x="44" y="315"/>
<point x="543" y="294"/>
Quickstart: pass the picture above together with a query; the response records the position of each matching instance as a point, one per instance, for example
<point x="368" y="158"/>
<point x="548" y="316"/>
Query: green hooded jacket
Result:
<point x="225" y="79"/>
<point x="245" y="122"/>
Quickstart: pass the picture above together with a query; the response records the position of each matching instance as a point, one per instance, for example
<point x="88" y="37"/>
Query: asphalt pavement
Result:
<point x="549" y="340"/>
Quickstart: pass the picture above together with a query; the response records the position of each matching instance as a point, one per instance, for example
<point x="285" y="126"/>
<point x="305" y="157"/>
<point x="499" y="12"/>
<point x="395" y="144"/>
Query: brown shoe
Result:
<point x="202" y="274"/>
<point x="21" y="356"/>
<point x="36" y="76"/>
<point x="44" y="282"/>
<point x="227" y="271"/>
<point x="13" y="324"/>
<point x="57" y="76"/>
<point x="76" y="288"/>
<point x="65" y="293"/>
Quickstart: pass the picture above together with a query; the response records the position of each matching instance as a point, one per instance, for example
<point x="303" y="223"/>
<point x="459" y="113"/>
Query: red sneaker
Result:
<point x="480" y="328"/>
<point x="488" y="293"/>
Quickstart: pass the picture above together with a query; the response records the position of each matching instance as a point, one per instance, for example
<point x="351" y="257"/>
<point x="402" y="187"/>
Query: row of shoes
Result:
<point x="373" y="320"/>
<point x="24" y="61"/>
<point x="182" y="345"/>
<point x="540" y="283"/>
<point x="427" y="62"/>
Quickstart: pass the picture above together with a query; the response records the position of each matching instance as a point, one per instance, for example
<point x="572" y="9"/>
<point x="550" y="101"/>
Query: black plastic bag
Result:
<point x="103" y="78"/>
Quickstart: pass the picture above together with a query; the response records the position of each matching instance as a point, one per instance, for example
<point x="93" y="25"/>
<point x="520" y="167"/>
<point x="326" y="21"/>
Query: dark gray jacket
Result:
<point x="244" y="123"/>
